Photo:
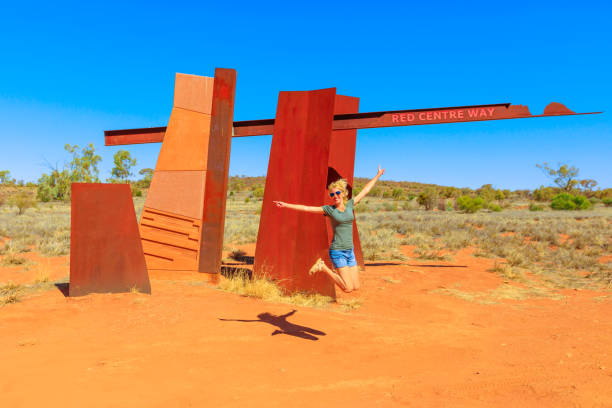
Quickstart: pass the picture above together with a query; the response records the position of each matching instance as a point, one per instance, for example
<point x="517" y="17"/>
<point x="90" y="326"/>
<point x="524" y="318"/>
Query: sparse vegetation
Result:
<point x="566" y="201"/>
<point x="266" y="289"/>
<point x="9" y="293"/>
<point x="22" y="200"/>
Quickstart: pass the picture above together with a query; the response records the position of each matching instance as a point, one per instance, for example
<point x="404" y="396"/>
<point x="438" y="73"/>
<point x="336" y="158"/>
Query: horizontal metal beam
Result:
<point x="365" y="120"/>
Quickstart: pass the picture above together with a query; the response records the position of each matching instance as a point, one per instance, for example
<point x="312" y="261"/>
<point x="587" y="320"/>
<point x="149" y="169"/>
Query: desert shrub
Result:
<point x="387" y="194"/>
<point x="22" y="201"/>
<point x="469" y="204"/>
<point x="410" y="205"/>
<point x="9" y="293"/>
<point x="494" y="207"/>
<point x="247" y="199"/>
<point x="543" y="193"/>
<point x="566" y="201"/>
<point x="258" y="192"/>
<point x="136" y="192"/>
<point x="535" y="207"/>
<point x="397" y="193"/>
<point x="390" y="206"/>
<point x="428" y="198"/>
<point x="607" y="202"/>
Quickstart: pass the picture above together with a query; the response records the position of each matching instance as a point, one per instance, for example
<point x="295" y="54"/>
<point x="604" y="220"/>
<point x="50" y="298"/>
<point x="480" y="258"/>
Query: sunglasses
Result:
<point x="337" y="193"/>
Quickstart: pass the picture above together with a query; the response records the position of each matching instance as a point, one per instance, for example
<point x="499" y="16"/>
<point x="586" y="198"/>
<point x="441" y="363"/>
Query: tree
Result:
<point x="84" y="165"/>
<point x="587" y="186"/>
<point x="83" y="168"/>
<point x="486" y="192"/>
<point x="22" y="201"/>
<point x="564" y="176"/>
<point x="5" y="177"/>
<point x="123" y="166"/>
<point x="147" y="174"/>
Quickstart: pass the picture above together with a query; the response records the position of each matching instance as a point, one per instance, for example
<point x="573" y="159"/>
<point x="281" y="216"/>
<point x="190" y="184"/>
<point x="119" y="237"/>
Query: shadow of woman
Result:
<point x="284" y="327"/>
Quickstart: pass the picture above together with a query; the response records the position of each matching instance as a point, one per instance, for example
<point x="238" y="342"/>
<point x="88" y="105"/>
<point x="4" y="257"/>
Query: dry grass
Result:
<point x="10" y="293"/>
<point x="266" y="289"/>
<point x="502" y="292"/>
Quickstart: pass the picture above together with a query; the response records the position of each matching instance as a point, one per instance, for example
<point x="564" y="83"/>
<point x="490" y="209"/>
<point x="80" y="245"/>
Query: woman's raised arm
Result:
<point x="369" y="185"/>
<point x="298" y="207"/>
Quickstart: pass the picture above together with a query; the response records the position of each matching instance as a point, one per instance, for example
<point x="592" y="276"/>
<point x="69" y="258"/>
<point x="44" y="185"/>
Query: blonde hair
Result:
<point x="341" y="185"/>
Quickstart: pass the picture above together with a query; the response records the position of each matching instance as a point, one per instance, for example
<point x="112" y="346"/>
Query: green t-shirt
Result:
<point x="342" y="223"/>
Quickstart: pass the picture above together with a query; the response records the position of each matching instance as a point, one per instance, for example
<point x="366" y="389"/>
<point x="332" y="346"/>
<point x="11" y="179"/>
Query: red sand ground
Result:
<point x="405" y="346"/>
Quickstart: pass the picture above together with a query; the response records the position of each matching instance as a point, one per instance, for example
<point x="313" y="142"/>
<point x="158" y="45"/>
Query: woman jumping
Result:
<point x="342" y="216"/>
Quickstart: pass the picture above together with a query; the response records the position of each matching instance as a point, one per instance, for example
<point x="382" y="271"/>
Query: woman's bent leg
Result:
<point x="354" y="277"/>
<point x="345" y="274"/>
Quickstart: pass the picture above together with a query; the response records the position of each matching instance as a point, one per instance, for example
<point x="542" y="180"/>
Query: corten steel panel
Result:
<point x="289" y="242"/>
<point x="185" y="145"/>
<point x="213" y="219"/>
<point x="342" y="161"/>
<point x="179" y="192"/>
<point x="105" y="249"/>
<point x="193" y="92"/>
<point x="171" y="224"/>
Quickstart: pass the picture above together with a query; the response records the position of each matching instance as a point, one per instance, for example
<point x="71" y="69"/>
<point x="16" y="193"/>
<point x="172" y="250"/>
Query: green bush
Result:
<point x="494" y="207"/>
<point x="535" y="207"/>
<point x="607" y="202"/>
<point x="428" y="198"/>
<point x="566" y="201"/>
<point x="469" y="204"/>
<point x="136" y="192"/>
<point x="258" y="192"/>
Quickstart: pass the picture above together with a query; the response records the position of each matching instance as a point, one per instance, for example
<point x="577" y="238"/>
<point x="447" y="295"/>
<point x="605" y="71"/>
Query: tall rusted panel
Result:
<point x="342" y="161"/>
<point x="213" y="219"/>
<point x="105" y="249"/>
<point x="289" y="242"/>
<point x="179" y="217"/>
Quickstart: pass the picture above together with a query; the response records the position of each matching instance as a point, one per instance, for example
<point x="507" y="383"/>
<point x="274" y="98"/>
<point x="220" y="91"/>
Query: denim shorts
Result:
<point x="342" y="258"/>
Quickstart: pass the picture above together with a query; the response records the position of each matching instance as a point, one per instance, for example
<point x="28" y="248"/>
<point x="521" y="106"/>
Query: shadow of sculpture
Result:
<point x="408" y="264"/>
<point x="63" y="287"/>
<point x="231" y="271"/>
<point x="284" y="327"/>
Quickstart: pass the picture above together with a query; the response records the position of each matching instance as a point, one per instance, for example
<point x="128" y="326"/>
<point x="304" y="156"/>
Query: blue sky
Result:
<point x="71" y="70"/>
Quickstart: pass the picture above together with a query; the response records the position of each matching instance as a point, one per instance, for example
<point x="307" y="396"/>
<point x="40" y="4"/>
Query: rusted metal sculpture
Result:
<point x="183" y="217"/>
<point x="365" y="120"/>
<point x="313" y="144"/>
<point x="289" y="242"/>
<point x="105" y="249"/>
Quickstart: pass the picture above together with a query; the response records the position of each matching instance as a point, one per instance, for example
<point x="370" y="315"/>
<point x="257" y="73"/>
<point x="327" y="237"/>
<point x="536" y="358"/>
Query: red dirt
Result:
<point x="405" y="346"/>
